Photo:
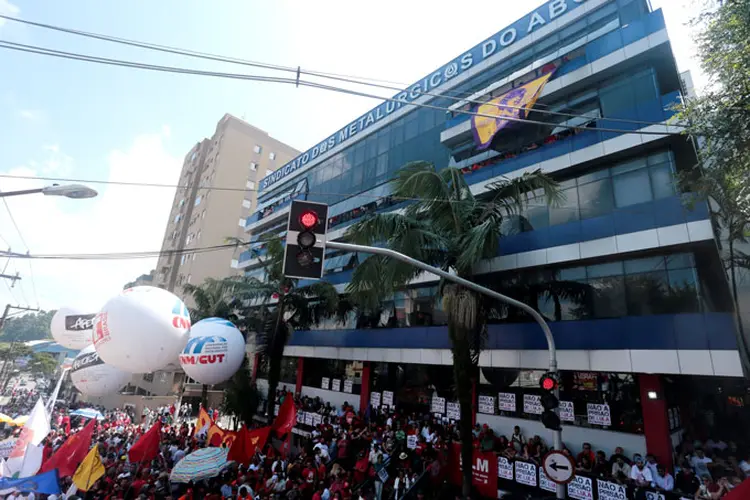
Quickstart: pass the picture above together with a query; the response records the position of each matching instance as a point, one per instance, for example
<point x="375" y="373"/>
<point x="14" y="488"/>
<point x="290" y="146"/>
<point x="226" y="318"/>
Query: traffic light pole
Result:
<point x="386" y="252"/>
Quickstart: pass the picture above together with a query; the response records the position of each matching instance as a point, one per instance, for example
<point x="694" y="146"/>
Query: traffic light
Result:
<point x="305" y="240"/>
<point x="550" y="418"/>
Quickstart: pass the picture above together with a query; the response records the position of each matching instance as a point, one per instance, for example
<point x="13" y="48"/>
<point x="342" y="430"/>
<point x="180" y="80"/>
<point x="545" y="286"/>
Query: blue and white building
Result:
<point x="651" y="333"/>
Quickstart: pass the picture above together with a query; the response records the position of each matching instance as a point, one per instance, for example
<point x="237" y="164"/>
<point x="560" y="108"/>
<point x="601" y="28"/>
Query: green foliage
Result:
<point x="241" y="397"/>
<point x="42" y="363"/>
<point x="32" y="326"/>
<point x="449" y="228"/>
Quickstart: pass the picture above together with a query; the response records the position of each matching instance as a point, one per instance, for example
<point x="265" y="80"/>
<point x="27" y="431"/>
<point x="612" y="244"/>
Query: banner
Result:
<point x="438" y="405"/>
<point x="348" y="386"/>
<point x="546" y="483"/>
<point x="483" y="469"/>
<point x="653" y="495"/>
<point x="610" y="491"/>
<point x="375" y="399"/>
<point x="598" y="414"/>
<point x="308" y="418"/>
<point x="6" y="447"/>
<point x="453" y="410"/>
<point x="300" y="417"/>
<point x="388" y="399"/>
<point x="504" y="469"/>
<point x="532" y="404"/>
<point x="509" y="105"/>
<point x="41" y="483"/>
<point x="486" y="404"/>
<point x="567" y="412"/>
<point x="411" y="441"/>
<point x="506" y="401"/>
<point x="325" y="382"/>
<point x="581" y="488"/>
<point x="336" y="385"/>
<point x="526" y="473"/>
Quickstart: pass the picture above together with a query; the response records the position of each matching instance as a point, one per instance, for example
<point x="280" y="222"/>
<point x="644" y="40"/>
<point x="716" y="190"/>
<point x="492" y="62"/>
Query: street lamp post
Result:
<point x="75" y="191"/>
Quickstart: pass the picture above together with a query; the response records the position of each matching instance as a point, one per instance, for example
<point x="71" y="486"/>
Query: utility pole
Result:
<point x="12" y="278"/>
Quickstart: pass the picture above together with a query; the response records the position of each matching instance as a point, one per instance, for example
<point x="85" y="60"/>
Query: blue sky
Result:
<point x="68" y="118"/>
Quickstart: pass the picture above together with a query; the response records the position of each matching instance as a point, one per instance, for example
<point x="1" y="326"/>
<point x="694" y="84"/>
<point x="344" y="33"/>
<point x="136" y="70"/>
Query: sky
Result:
<point x="63" y="118"/>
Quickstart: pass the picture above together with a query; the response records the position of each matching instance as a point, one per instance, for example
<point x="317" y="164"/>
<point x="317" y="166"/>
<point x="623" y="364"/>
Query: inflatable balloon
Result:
<point x="214" y="352"/>
<point x="93" y="377"/>
<point x="141" y="330"/>
<point x="71" y="328"/>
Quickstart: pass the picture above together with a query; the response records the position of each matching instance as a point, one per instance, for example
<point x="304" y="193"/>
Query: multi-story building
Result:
<point x="218" y="192"/>
<point x="642" y="316"/>
<point x="142" y="280"/>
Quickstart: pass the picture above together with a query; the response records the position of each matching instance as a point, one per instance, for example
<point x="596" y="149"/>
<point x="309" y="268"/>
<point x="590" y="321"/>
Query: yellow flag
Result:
<point x="90" y="470"/>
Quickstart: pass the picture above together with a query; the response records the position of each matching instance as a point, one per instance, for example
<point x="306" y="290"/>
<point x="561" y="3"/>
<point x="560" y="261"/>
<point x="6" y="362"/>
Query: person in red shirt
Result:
<point x="586" y="452"/>
<point x="138" y="484"/>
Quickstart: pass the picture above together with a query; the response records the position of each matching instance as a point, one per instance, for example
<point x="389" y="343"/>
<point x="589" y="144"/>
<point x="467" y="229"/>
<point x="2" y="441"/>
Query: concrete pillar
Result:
<point x="655" y="419"/>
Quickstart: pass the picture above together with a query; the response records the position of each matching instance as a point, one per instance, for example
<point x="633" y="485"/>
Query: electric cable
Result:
<point x="23" y="240"/>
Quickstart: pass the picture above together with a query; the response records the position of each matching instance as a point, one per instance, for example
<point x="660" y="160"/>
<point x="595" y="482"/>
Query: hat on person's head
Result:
<point x="637" y="458"/>
<point x="403" y="456"/>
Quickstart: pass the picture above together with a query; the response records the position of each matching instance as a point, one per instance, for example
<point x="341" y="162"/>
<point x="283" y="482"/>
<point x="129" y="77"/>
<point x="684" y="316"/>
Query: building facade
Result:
<point x="626" y="271"/>
<point x="220" y="177"/>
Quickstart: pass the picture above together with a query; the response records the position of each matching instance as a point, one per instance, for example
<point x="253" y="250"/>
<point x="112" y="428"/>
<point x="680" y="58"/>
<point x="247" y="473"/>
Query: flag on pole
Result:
<point x="147" y="446"/>
<point x="287" y="417"/>
<point x="215" y="436"/>
<point x="90" y="470"/>
<point x="32" y="461"/>
<point x="203" y="423"/>
<point x="34" y="431"/>
<point x="51" y="402"/>
<point x="247" y="443"/>
<point x="67" y="458"/>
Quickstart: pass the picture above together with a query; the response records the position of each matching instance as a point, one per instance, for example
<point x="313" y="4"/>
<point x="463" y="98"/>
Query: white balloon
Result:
<point x="71" y="327"/>
<point x="214" y="352"/>
<point x="93" y="377"/>
<point x="141" y="330"/>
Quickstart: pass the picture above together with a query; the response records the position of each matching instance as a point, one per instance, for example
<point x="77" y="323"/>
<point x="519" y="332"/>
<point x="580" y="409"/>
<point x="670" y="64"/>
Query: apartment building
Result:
<point x="220" y="176"/>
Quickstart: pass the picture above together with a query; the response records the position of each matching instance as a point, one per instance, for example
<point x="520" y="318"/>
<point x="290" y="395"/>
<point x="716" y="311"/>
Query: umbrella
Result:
<point x="5" y="418"/>
<point x="19" y="421"/>
<point x="201" y="464"/>
<point x="88" y="413"/>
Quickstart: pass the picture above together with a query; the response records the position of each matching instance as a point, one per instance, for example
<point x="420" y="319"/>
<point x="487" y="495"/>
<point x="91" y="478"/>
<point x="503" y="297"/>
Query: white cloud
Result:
<point x="120" y="219"/>
<point x="8" y="9"/>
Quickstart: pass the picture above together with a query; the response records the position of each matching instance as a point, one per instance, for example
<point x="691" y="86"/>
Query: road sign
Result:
<point x="558" y="467"/>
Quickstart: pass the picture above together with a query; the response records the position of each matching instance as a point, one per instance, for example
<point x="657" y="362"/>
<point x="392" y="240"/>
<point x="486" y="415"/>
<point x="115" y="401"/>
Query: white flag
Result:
<point x="34" y="431"/>
<point x="32" y="460"/>
<point x="51" y="402"/>
<point x="4" y="472"/>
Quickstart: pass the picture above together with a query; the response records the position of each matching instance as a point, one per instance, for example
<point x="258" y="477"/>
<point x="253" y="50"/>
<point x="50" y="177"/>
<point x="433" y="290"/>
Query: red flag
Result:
<point x="287" y="417"/>
<point x="147" y="446"/>
<point x="69" y="456"/>
<point x="247" y="443"/>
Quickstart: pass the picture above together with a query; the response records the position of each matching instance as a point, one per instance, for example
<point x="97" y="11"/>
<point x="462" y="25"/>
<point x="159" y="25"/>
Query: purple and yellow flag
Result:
<point x="508" y="105"/>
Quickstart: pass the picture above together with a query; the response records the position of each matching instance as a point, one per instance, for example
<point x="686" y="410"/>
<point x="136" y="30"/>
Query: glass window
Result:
<point x="257" y="149"/>
<point x="632" y="188"/>
<point x="608" y="297"/>
<point x="567" y="209"/>
<point x="646" y="265"/>
<point x="383" y="141"/>
<point x="662" y="181"/>
<point x="680" y="260"/>
<point x="601" y="270"/>
<point x="253" y="165"/>
<point x="411" y="126"/>
<point x="572" y="274"/>
<point x="272" y="156"/>
<point x="595" y="198"/>
<point x="646" y="293"/>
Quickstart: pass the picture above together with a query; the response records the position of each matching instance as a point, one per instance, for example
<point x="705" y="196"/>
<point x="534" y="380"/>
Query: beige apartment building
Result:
<point x="238" y="156"/>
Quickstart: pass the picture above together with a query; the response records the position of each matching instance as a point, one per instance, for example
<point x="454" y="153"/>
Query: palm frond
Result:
<point x="514" y="194"/>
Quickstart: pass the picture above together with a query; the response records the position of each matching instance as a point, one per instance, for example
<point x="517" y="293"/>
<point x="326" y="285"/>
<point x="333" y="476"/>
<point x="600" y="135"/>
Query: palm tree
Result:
<point x="446" y="226"/>
<point x="283" y="306"/>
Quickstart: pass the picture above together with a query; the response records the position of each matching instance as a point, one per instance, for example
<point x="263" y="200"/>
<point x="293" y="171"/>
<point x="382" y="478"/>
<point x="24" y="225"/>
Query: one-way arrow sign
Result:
<point x="558" y="467"/>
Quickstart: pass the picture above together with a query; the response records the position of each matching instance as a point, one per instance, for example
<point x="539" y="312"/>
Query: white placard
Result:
<point x="383" y="475"/>
<point x="610" y="491"/>
<point x="308" y="418"/>
<point x="567" y="411"/>
<point x="300" y="417"/>
<point x="532" y="404"/>
<point x="546" y="483"/>
<point x="453" y="410"/>
<point x="317" y="419"/>
<point x="411" y="441"/>
<point x="336" y="384"/>
<point x="504" y="468"/>
<point x="276" y="409"/>
<point x="325" y="383"/>
<point x="438" y="405"/>
<point x="375" y="399"/>
<point x="348" y="386"/>
<point x="598" y="414"/>
<point x="506" y="401"/>
<point x="486" y="404"/>
<point x="526" y="473"/>
<point x="388" y="398"/>
<point x="653" y="495"/>
<point x="581" y="488"/>
<point x="6" y="447"/>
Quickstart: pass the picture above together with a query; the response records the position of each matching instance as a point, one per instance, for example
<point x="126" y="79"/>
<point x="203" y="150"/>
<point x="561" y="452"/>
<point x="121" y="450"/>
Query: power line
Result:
<point x="122" y="255"/>
<point x="298" y="70"/>
<point x="23" y="240"/>
<point x="172" y="69"/>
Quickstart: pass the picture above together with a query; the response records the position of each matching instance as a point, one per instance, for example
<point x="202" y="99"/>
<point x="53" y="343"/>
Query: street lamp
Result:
<point x="75" y="191"/>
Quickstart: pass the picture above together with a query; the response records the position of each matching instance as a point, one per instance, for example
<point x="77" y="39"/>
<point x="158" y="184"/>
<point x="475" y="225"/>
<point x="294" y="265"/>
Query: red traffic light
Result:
<point x="548" y="383"/>
<point x="309" y="219"/>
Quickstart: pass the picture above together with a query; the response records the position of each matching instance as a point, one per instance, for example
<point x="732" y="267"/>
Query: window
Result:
<point x="197" y="201"/>
<point x="182" y="259"/>
<point x="242" y="222"/>
<point x="257" y="149"/>
<point x="247" y="203"/>
<point x="148" y="377"/>
<point x="198" y="236"/>
<point x="177" y="218"/>
<point x="250" y="185"/>
<point x="203" y="214"/>
<point x="272" y="156"/>
<point x="190" y="277"/>
<point x="253" y="166"/>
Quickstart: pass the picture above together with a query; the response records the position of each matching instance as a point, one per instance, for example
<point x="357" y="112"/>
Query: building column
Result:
<point x="473" y="402"/>
<point x="364" y="393"/>
<point x="300" y="370"/>
<point x="655" y="419"/>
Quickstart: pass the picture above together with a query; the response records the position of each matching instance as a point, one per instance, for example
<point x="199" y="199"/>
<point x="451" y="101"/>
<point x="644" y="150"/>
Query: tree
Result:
<point x="449" y="228"/>
<point x="241" y="396"/>
<point x="32" y="326"/>
<point x="42" y="363"/>
<point x="282" y="305"/>
<point x="719" y="120"/>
